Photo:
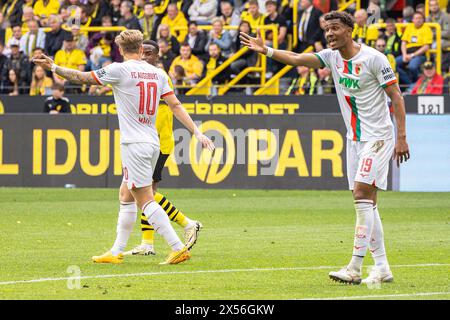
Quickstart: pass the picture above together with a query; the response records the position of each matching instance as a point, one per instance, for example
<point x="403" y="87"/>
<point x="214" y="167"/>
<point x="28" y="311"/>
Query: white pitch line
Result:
<point x="400" y="295"/>
<point x="145" y="274"/>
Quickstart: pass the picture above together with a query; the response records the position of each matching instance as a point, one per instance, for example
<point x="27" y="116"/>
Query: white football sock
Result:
<point x="125" y="224"/>
<point x="376" y="246"/>
<point x="158" y="218"/>
<point x="190" y="223"/>
<point x="363" y="230"/>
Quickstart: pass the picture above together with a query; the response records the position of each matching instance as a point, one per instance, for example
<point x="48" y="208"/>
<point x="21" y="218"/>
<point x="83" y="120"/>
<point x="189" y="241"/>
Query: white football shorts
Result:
<point x="138" y="163"/>
<point x="368" y="162"/>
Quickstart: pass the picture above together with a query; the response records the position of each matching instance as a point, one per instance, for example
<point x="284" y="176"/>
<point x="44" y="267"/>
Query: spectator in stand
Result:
<point x="249" y="58"/>
<point x="128" y="20"/>
<point x="36" y="52"/>
<point x="321" y="42"/>
<point x="46" y="8"/>
<point x="41" y="85"/>
<point x="28" y="16"/>
<point x="149" y="22"/>
<point x="3" y="60"/>
<point x="12" y="10"/>
<point x="380" y="45"/>
<point x="374" y="11"/>
<point x="363" y="33"/>
<point x="14" y="40"/>
<point x="285" y="9"/>
<point x="97" y="10"/>
<point x="202" y="11"/>
<point x="166" y="56"/>
<point x="230" y="16"/>
<point x="325" y="84"/>
<point x="81" y="40"/>
<point x="253" y="15"/>
<point x="196" y="39"/>
<point x="175" y="18"/>
<point x="443" y="19"/>
<point x="107" y="21"/>
<point x="408" y="13"/>
<point x="393" y="38"/>
<point x="138" y="8"/>
<point x="220" y="37"/>
<point x="2" y="29"/>
<point x="69" y="9"/>
<point x="430" y="82"/>
<point x="115" y="11"/>
<point x="309" y="25"/>
<point x="326" y="5"/>
<point x="105" y="41"/>
<point x="57" y="103"/>
<point x="20" y="63"/>
<point x="305" y="83"/>
<point x="192" y="66"/>
<point x="179" y="80"/>
<point x="55" y="37"/>
<point x="69" y="57"/>
<point x="12" y="84"/>
<point x="215" y="60"/>
<point x="164" y="33"/>
<point x="32" y="39"/>
<point x="421" y="8"/>
<point x="416" y="40"/>
<point x="274" y="18"/>
<point x="85" y="19"/>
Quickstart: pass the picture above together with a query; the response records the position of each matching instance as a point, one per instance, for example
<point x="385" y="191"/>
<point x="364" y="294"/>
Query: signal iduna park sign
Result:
<point x="254" y="151"/>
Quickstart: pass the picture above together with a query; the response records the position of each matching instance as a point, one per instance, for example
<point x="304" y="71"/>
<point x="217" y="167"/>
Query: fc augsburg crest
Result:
<point x="357" y="69"/>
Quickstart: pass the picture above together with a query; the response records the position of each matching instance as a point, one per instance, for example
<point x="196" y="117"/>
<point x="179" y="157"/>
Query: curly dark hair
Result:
<point x="345" y="18"/>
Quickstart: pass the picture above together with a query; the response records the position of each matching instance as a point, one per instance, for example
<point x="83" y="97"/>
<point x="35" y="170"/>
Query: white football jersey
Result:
<point x="137" y="87"/>
<point x="360" y="84"/>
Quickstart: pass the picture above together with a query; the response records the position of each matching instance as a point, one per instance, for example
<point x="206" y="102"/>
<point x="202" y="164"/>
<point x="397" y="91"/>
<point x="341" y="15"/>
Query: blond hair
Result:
<point x="130" y="41"/>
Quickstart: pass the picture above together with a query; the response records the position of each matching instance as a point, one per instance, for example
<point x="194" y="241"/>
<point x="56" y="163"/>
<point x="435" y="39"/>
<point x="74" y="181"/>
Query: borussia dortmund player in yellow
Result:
<point x="164" y="125"/>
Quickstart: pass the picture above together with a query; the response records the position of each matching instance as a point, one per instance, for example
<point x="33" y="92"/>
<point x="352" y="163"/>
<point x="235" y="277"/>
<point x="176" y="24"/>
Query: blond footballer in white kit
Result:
<point x="363" y="79"/>
<point x="138" y="87"/>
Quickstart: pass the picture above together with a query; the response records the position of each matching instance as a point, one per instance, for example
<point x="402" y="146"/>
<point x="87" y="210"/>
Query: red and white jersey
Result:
<point x="137" y="87"/>
<point x="360" y="84"/>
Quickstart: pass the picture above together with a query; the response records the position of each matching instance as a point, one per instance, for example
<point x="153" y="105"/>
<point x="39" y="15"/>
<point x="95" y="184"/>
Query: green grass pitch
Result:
<point x="254" y="245"/>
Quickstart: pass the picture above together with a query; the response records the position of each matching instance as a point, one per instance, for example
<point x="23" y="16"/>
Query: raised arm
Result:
<point x="287" y="57"/>
<point x="181" y="114"/>
<point x="401" y="146"/>
<point x="74" y="76"/>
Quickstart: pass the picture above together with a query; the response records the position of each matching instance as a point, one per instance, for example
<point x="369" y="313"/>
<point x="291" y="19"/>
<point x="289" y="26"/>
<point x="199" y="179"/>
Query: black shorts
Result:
<point x="159" y="167"/>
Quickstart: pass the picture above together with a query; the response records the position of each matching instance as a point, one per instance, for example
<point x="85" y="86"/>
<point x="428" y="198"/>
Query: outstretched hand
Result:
<point x="43" y="61"/>
<point x="255" y="44"/>
<point x="206" y="142"/>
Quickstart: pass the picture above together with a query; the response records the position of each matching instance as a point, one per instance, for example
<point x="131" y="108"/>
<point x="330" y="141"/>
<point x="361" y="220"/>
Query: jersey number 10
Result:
<point x="145" y="102"/>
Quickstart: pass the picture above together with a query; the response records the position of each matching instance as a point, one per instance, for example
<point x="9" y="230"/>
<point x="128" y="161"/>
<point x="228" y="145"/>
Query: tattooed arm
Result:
<point x="74" y="76"/>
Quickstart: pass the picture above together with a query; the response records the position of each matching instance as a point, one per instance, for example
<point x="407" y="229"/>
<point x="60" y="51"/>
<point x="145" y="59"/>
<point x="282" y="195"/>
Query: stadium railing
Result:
<point x="343" y="4"/>
<point x="436" y="51"/>
<point x="203" y="87"/>
<point x="273" y="85"/>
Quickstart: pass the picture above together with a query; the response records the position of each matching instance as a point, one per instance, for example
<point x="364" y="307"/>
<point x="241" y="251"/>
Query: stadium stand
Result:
<point x="88" y="27"/>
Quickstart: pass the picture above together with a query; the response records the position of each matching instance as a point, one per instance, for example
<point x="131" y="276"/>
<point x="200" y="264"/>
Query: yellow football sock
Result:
<point x="147" y="231"/>
<point x="174" y="214"/>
